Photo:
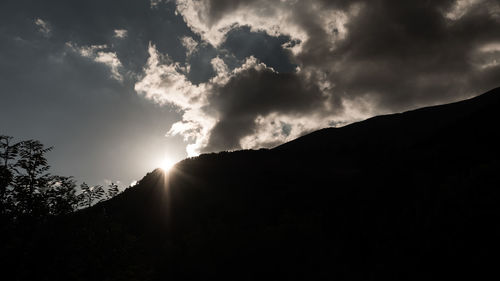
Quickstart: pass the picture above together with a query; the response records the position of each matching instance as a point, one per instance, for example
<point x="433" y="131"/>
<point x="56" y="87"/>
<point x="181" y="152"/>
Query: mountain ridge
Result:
<point x="409" y="196"/>
<point x="471" y="104"/>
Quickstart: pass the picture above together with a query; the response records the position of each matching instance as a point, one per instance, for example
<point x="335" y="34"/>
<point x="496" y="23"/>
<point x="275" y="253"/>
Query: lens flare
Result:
<point x="166" y="164"/>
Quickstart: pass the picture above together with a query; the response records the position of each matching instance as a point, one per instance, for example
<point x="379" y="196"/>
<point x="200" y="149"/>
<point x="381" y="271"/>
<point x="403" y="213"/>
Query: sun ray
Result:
<point x="166" y="164"/>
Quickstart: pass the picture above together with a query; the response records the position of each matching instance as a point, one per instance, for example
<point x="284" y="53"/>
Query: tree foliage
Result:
<point x="32" y="182"/>
<point x="112" y="191"/>
<point x="8" y="152"/>
<point x="29" y="190"/>
<point x="90" y="194"/>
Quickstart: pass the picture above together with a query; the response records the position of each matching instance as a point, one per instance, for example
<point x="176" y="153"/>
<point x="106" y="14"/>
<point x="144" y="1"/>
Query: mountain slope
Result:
<point x="404" y="196"/>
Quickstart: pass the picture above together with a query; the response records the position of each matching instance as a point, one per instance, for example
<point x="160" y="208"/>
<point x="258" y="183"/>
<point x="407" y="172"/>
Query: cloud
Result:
<point x="190" y="44"/>
<point x="43" y="27"/>
<point x="254" y="93"/>
<point x="237" y="108"/>
<point x="392" y="52"/>
<point x="487" y="56"/>
<point x="242" y="43"/>
<point x="354" y="59"/>
<point x="234" y="104"/>
<point x="460" y="8"/>
<point x="120" y="33"/>
<point x="213" y="19"/>
<point x="155" y="3"/>
<point x="164" y="83"/>
<point x="97" y="54"/>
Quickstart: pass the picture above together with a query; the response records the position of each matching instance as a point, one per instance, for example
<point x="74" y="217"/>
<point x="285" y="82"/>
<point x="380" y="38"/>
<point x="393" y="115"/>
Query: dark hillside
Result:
<point x="410" y="196"/>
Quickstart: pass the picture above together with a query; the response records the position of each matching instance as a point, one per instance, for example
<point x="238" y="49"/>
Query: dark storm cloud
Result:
<point x="201" y="69"/>
<point x="258" y="92"/>
<point x="402" y="53"/>
<point x="243" y="43"/>
<point x="393" y="55"/>
<point x="407" y="53"/>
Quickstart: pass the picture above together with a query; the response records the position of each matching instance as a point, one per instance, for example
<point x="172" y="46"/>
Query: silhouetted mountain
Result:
<point x="410" y="196"/>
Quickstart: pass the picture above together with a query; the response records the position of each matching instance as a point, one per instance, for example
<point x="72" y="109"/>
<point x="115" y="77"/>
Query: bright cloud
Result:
<point x="460" y="8"/>
<point x="348" y="67"/>
<point x="120" y="33"/>
<point x="275" y="18"/>
<point x="43" y="26"/>
<point x="487" y="56"/>
<point x="208" y="111"/>
<point x="190" y="44"/>
<point x="164" y="84"/>
<point x="98" y="54"/>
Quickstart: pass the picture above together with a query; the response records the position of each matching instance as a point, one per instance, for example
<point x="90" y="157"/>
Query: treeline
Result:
<point x="29" y="191"/>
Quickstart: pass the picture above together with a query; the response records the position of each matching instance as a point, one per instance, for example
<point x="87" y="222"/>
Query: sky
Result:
<point x="118" y="86"/>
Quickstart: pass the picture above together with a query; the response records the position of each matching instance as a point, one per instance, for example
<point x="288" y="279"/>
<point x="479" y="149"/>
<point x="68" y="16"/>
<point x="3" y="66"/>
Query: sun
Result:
<point x="166" y="164"/>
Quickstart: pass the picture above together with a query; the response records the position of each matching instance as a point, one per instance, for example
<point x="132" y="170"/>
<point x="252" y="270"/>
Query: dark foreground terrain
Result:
<point x="411" y="196"/>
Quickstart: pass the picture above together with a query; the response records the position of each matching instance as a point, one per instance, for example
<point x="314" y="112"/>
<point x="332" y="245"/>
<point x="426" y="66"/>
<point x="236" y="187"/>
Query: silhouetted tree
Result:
<point x="90" y="194"/>
<point x="61" y="196"/>
<point x="8" y="153"/>
<point x="8" y="150"/>
<point x="32" y="180"/>
<point x="112" y="191"/>
<point x="27" y="189"/>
